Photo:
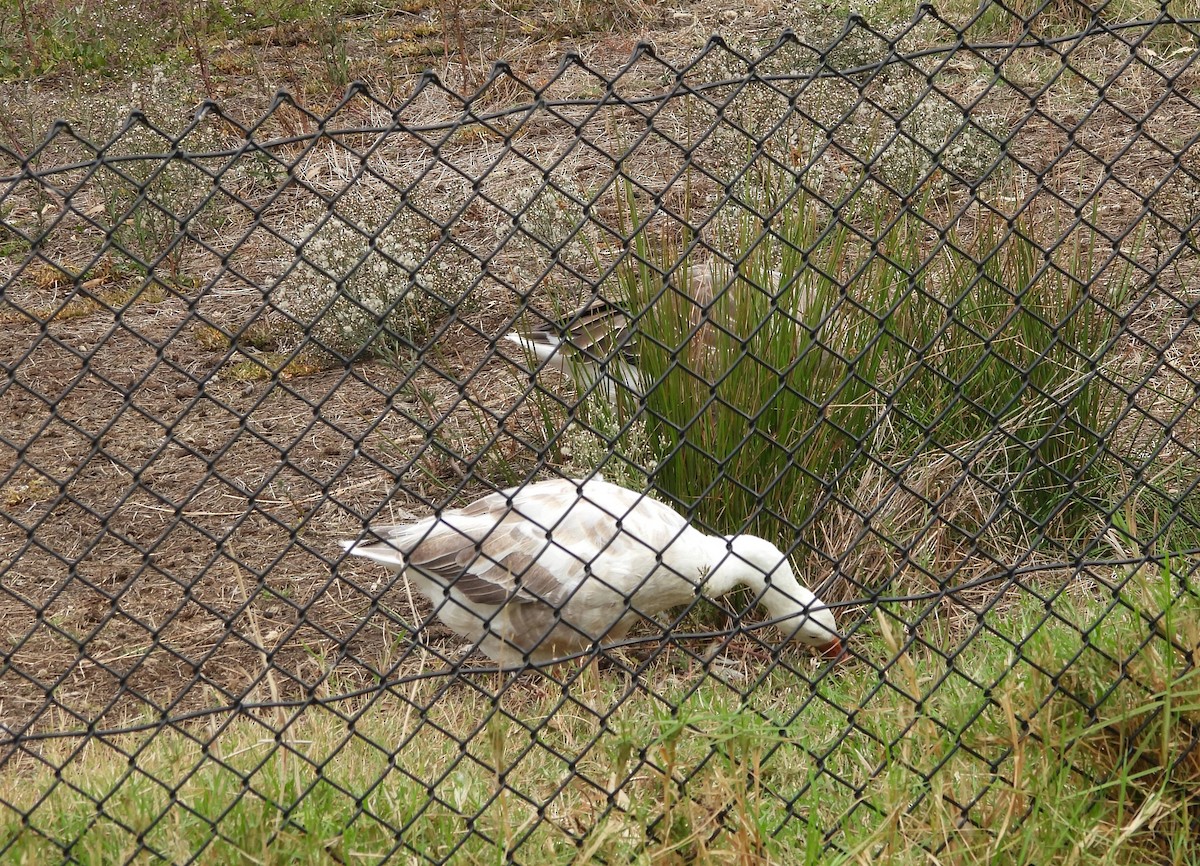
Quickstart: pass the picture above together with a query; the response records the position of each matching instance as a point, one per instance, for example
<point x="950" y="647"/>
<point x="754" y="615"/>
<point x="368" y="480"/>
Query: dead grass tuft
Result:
<point x="930" y="523"/>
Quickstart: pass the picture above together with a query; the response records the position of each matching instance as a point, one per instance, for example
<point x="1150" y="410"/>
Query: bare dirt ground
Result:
<point x="170" y="509"/>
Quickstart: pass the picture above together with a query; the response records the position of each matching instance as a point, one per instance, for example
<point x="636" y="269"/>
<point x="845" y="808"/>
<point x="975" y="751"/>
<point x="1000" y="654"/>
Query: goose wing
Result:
<point x="486" y="551"/>
<point x="532" y="544"/>
<point x="598" y="331"/>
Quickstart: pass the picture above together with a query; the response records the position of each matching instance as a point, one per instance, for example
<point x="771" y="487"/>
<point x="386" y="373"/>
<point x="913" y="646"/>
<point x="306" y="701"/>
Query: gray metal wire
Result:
<point x="206" y="388"/>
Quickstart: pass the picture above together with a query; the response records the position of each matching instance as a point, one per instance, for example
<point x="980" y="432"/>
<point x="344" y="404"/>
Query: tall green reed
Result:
<point x="828" y="345"/>
<point x="997" y="354"/>
<point x="763" y="392"/>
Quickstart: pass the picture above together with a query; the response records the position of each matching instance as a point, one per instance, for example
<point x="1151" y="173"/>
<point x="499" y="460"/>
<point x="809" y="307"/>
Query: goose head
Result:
<point x="759" y="565"/>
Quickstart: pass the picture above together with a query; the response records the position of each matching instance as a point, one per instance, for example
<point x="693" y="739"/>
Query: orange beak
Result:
<point x="832" y="650"/>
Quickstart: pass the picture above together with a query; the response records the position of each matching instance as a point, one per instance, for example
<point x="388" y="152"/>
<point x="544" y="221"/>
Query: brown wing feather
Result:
<point x="490" y="571"/>
<point x="536" y="583"/>
<point x="479" y="589"/>
<point x="599" y="330"/>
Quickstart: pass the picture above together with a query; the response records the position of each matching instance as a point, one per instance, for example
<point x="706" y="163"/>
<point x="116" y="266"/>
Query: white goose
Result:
<point x="535" y="573"/>
<point x="592" y="344"/>
<point x="598" y="342"/>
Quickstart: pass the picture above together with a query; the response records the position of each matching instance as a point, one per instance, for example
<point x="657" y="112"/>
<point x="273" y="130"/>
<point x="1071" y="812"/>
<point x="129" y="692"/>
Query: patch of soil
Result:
<point x="168" y="535"/>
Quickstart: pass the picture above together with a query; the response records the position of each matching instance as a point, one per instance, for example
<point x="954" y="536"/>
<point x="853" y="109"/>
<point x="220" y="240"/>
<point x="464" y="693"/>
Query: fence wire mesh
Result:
<point x="929" y="333"/>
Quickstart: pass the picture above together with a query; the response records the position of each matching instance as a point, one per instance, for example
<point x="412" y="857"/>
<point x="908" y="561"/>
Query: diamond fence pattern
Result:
<point x="924" y="321"/>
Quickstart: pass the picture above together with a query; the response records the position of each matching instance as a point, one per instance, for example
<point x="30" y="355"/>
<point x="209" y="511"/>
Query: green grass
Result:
<point x="999" y="350"/>
<point x="834" y="342"/>
<point x="766" y="412"/>
<point x="108" y="40"/>
<point x="1071" y="738"/>
<point x="113" y="39"/>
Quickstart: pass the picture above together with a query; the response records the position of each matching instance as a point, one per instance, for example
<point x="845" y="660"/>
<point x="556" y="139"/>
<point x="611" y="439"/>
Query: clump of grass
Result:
<point x="756" y="406"/>
<point x="1001" y="353"/>
<point x="29" y="489"/>
<point x="265" y="366"/>
<point x="999" y="406"/>
<point x="63" y="290"/>
<point x="261" y="334"/>
<point x="836" y="352"/>
<point x="260" y="351"/>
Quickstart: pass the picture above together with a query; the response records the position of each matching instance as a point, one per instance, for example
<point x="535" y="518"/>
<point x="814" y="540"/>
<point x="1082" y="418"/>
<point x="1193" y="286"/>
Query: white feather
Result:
<point x="550" y="569"/>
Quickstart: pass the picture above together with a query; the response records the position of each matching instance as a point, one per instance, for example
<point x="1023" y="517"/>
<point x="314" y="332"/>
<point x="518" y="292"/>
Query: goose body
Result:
<point x="535" y="573"/>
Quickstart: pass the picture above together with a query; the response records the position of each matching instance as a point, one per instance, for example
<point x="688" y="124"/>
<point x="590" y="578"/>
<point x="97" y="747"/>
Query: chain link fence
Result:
<point x="925" y="321"/>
